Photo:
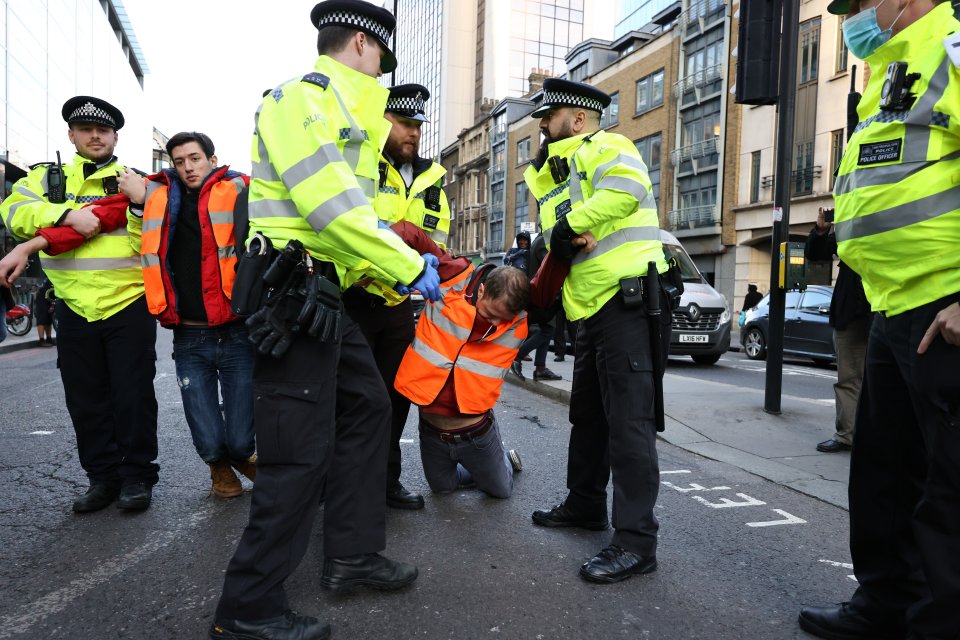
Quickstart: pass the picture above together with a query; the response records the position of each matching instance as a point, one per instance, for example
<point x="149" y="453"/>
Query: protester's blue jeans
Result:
<point x="206" y="356"/>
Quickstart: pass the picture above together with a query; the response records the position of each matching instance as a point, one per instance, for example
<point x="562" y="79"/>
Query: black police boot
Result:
<point x="135" y="496"/>
<point x="289" y="626"/>
<point x="98" y="496"/>
<point x="399" y="497"/>
<point x="843" y="622"/>
<point x="563" y="516"/>
<point x="368" y="569"/>
<point x="614" y="564"/>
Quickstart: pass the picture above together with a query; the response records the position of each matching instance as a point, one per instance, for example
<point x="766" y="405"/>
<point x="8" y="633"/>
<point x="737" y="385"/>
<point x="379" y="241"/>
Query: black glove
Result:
<point x="561" y="238"/>
<point x="321" y="310"/>
<point x="272" y="329"/>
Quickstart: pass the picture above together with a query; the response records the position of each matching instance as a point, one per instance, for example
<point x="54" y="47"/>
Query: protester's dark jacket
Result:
<point x="849" y="302"/>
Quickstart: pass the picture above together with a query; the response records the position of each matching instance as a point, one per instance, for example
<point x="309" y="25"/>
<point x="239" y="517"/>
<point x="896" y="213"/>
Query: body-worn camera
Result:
<point x="559" y="168"/>
<point x="895" y="94"/>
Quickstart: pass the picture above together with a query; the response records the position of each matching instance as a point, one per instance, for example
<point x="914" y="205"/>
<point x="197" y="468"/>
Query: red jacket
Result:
<point x="112" y="212"/>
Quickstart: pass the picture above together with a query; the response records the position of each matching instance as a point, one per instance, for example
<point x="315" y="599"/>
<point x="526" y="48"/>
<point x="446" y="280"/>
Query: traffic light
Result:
<point x="758" y="52"/>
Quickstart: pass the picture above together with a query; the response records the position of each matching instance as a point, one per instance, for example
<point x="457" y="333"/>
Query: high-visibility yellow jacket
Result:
<point x="316" y="152"/>
<point x="101" y="276"/>
<point x="608" y="194"/>
<point x="424" y="203"/>
<point x="898" y="187"/>
<point x="442" y="344"/>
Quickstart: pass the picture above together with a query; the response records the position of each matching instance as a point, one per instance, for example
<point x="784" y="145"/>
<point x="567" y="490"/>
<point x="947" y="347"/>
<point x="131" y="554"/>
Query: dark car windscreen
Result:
<point x="687" y="269"/>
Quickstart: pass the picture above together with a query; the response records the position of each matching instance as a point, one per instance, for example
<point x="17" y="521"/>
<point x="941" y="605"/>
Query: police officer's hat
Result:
<point x="567" y="93"/>
<point x="408" y="100"/>
<point x="90" y="109"/>
<point x="839" y="7"/>
<point x="363" y="16"/>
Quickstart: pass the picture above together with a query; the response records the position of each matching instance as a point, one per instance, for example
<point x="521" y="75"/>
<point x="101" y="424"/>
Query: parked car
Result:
<point x="806" y="328"/>
<point x="701" y="324"/>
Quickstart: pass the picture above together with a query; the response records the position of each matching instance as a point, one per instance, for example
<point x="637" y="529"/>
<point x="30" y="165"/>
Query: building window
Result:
<point x="803" y="169"/>
<point x="523" y="150"/>
<point x="522" y="211"/>
<point x="611" y="115"/>
<point x="841" y="47"/>
<point x="755" y="176"/>
<point x="650" y="91"/>
<point x="579" y="72"/>
<point x="836" y="154"/>
<point x="649" y="149"/>
<point x="809" y="58"/>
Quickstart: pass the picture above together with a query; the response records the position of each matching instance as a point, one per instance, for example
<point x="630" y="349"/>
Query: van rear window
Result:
<point x="687" y="268"/>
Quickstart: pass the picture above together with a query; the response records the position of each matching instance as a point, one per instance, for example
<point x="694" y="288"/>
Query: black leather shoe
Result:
<point x="559" y="359"/>
<point x="135" y="496"/>
<point x="843" y="622"/>
<point x="289" y="626"/>
<point x="562" y="516"/>
<point x="516" y="368"/>
<point x="546" y="374"/>
<point x="832" y="446"/>
<point x="399" y="497"/>
<point x="614" y="564"/>
<point x="369" y="569"/>
<point x="97" y="497"/>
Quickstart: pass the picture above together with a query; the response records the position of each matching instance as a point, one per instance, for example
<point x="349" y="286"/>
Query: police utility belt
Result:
<point x="636" y="291"/>
<point x="283" y="294"/>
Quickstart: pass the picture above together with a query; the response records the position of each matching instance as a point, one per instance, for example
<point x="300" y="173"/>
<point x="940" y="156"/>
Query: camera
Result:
<point x="895" y="94"/>
<point x="828" y="215"/>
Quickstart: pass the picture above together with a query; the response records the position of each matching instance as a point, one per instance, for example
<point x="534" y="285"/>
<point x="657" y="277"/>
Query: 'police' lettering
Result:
<point x="430" y="222"/>
<point x="879" y="152"/>
<point x="311" y="119"/>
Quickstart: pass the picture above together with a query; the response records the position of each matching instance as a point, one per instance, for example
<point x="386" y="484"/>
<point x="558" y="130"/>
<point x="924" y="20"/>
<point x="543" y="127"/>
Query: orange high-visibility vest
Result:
<point x="218" y="253"/>
<point x="442" y="344"/>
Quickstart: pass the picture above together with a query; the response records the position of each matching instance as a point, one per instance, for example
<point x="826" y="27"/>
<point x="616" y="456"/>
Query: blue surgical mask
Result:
<point x="862" y="32"/>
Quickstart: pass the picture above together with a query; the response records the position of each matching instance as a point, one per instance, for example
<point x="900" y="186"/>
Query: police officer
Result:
<point x="321" y="409"/>
<point x="106" y="335"/>
<point x="898" y="227"/>
<point x="409" y="190"/>
<point x="586" y="179"/>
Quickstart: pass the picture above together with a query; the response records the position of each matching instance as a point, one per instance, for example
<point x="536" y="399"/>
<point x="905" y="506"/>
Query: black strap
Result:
<point x="241" y="222"/>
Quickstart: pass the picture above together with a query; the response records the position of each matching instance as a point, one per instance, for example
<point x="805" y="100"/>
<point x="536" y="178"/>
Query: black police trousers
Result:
<point x="320" y="412"/>
<point x="388" y="331"/>
<point x="614" y="431"/>
<point x="905" y="478"/>
<point x="107" y="367"/>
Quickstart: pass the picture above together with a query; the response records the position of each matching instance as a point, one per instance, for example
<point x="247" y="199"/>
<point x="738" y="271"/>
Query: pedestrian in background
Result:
<point x="6" y="302"/>
<point x="540" y="322"/>
<point x="898" y="227"/>
<point x="321" y="411"/>
<point x="519" y="256"/>
<point x="106" y="347"/>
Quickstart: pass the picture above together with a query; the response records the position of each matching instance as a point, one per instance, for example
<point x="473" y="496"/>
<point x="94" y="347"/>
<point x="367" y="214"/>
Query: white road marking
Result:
<point x="406" y="440"/>
<point x="693" y="487"/>
<point x="41" y="433"/>
<point x="26" y="616"/>
<point x="834" y="563"/>
<point x="726" y="503"/>
<point x="787" y="519"/>
<point x="665" y="473"/>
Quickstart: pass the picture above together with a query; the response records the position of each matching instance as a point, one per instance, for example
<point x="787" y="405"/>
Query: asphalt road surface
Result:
<point x="738" y="554"/>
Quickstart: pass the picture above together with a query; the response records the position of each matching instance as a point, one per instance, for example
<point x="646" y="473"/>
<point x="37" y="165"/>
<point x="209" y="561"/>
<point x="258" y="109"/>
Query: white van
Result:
<point x="701" y="324"/>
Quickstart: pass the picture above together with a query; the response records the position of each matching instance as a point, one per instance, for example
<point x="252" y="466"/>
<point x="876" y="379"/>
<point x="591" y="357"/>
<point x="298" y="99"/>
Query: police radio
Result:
<point x="56" y="185"/>
<point x="895" y="94"/>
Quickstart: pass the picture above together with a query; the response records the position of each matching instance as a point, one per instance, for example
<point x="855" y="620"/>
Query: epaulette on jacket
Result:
<point x="316" y="78"/>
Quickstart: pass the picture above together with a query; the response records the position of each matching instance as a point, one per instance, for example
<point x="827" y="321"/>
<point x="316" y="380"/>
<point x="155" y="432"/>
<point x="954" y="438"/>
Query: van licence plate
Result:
<point x="692" y="337"/>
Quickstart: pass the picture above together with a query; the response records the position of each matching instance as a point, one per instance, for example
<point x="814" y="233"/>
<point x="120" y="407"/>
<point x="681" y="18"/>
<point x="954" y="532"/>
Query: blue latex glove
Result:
<point x="432" y="260"/>
<point x="402" y="289"/>
<point x="429" y="283"/>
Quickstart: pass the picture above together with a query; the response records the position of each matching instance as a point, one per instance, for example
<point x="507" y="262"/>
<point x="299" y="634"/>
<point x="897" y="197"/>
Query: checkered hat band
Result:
<point x="356" y="20"/>
<point x="572" y="99"/>
<point x="90" y="113"/>
<point x="406" y="103"/>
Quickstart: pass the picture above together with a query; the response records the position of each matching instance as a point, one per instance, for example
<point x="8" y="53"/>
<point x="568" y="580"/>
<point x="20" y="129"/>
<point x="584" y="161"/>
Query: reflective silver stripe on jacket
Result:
<point x="34" y="198"/>
<point x="150" y="260"/>
<point x="916" y="138"/>
<point x="368" y="186"/>
<point x="311" y="165"/>
<point x="273" y="209"/>
<point x="900" y="216"/>
<point x="430" y="355"/>
<point x="385" y="188"/>
<point x="344" y="201"/>
<point x="91" y="264"/>
<point x="356" y="136"/>
<point x="226" y="252"/>
<point x="439" y="237"/>
<point x="621" y="159"/>
<point x="481" y="368"/>
<point x="263" y="169"/>
<point x="447" y="325"/>
<point x="627" y="185"/>
<point x="618" y="239"/>
<point x="221" y="217"/>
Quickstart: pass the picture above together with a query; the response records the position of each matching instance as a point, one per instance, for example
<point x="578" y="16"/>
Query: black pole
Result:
<point x="396" y="45"/>
<point x="781" y="228"/>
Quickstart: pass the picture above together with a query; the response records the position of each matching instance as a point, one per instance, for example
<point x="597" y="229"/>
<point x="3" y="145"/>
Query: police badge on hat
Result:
<point x="409" y="101"/>
<point x="93" y="110"/>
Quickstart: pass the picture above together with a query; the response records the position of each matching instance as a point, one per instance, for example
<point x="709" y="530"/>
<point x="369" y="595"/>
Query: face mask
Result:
<point x="862" y="32"/>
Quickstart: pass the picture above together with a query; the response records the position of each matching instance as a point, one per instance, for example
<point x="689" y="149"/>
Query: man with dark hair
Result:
<point x="189" y="265"/>
<point x="321" y="409"/>
<point x="409" y="189"/>
<point x="106" y="335"/>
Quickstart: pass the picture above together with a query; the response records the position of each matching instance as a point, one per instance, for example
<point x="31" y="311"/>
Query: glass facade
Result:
<point x="634" y="14"/>
<point x="418" y="47"/>
<point x="541" y="33"/>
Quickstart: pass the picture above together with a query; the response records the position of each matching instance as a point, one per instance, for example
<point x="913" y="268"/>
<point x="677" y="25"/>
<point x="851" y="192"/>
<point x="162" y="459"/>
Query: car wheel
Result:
<point x="822" y="362"/>
<point x="706" y="358"/>
<point x="755" y="345"/>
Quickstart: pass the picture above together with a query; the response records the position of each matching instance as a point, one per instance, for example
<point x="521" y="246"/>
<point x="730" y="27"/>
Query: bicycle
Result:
<point x="19" y="319"/>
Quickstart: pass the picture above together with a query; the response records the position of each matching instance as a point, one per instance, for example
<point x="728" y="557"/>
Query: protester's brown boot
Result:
<point x="248" y="467"/>
<point x="226" y="484"/>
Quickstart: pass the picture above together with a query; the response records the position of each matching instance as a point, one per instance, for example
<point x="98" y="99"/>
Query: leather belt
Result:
<point x="460" y="435"/>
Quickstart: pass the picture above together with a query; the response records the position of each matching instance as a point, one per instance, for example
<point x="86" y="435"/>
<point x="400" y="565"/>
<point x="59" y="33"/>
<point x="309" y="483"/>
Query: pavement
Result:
<point x="727" y="422"/>
<point x="718" y="421"/>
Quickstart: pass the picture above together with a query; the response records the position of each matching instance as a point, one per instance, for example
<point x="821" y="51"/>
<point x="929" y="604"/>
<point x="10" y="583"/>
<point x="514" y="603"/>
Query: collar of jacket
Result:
<point x="568" y="146"/>
<point x="80" y="163"/>
<point x="913" y="42"/>
<point x="362" y="94"/>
